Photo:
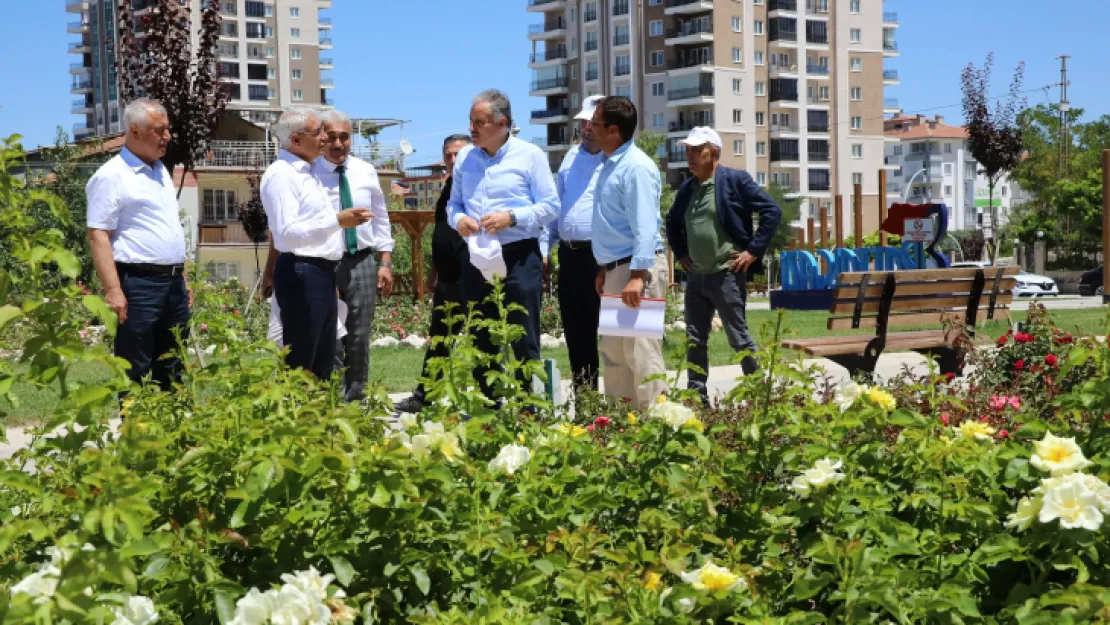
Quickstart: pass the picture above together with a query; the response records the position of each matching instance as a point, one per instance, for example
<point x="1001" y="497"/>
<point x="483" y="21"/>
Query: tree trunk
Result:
<point x="181" y="185"/>
<point x="993" y="243"/>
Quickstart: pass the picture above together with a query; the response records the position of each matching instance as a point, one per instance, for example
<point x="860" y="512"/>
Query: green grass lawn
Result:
<point x="398" y="367"/>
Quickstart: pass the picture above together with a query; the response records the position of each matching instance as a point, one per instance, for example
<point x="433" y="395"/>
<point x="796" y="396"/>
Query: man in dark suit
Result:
<point x="711" y="230"/>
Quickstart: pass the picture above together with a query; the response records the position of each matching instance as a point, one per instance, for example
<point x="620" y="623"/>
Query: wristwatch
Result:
<point x="386" y="265"/>
<point x="512" y="219"/>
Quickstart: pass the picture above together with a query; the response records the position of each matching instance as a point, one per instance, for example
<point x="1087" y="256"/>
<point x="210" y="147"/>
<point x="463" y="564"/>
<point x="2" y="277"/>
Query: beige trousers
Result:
<point x="628" y="361"/>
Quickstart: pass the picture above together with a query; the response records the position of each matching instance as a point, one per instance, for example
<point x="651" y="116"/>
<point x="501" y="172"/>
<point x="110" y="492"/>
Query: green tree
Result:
<point x="791" y="213"/>
<point x="650" y="142"/>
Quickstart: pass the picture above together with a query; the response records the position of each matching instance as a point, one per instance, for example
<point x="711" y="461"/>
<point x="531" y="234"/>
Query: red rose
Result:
<point x="590" y="428"/>
<point x="602" y="421"/>
<point x="1019" y="365"/>
<point x="1002" y="340"/>
<point x="945" y="418"/>
<point x="1051" y="360"/>
<point x="948" y="377"/>
<point x="236" y="313"/>
<point x="1003" y="434"/>
<point x="1023" y="337"/>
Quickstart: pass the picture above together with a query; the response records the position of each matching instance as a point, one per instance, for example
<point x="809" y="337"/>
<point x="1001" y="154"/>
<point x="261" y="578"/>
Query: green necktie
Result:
<point x="349" y="234"/>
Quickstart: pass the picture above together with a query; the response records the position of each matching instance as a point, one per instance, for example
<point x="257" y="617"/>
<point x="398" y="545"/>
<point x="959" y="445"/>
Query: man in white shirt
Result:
<point x="307" y="234"/>
<point x="138" y="246"/>
<point x="503" y="187"/>
<point x="351" y="181"/>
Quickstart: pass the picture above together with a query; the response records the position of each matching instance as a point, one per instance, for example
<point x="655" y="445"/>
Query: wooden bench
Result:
<point x="952" y="299"/>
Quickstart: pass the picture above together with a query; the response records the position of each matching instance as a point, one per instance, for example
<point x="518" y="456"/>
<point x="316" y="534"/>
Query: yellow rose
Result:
<point x="878" y="397"/>
<point x="1058" y="455"/>
<point x="632" y="420"/>
<point x="696" y="423"/>
<point x="662" y="399"/>
<point x="652" y="580"/>
<point x="713" y="578"/>
<point x="975" y="429"/>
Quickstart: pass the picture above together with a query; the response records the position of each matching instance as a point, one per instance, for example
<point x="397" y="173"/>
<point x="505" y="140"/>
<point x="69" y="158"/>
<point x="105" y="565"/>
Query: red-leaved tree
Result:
<point x="993" y="136"/>
<point x="157" y="60"/>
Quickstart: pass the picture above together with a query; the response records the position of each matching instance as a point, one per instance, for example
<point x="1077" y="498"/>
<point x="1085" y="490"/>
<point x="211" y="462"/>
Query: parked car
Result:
<point x="1028" y="284"/>
<point x="1090" y="283"/>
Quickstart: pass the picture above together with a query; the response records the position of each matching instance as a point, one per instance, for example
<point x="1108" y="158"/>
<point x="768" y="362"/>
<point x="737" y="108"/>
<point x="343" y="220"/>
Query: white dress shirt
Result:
<point x="302" y="220"/>
<point x="137" y="204"/>
<point x="366" y="192"/>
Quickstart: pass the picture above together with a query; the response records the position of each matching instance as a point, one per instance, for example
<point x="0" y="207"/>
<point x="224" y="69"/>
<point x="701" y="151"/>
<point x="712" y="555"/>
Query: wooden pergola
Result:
<point x="414" y="223"/>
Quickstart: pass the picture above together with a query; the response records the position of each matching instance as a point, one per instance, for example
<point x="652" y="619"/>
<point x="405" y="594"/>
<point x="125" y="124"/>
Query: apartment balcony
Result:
<point x="817" y="9"/>
<point x="676" y="157"/>
<point x="679" y="129"/>
<point x="817" y="71"/>
<point x="621" y="40"/>
<point x="621" y="8"/>
<point x="590" y="45"/>
<point x="324" y="23"/>
<point x="327" y="63"/>
<point x="325" y="43"/>
<point x="890" y="77"/>
<point x="688" y="33"/>
<point x="81" y="130"/>
<point x="540" y="6"/>
<point x="548" y="58"/>
<point x="622" y="70"/>
<point x="819" y="186"/>
<point x="327" y="83"/>
<point x="815" y="102"/>
<point x="817" y="42"/>
<point x="589" y="16"/>
<point x="558" y="144"/>
<point x="327" y="102"/>
<point x="890" y="48"/>
<point x="554" y="30"/>
<point x="783" y="8"/>
<point x="81" y="106"/>
<point x="818" y="128"/>
<point x="690" y="96"/>
<point x="686" y="7"/>
<point x="548" y="86"/>
<point x="79" y="68"/>
<point x="557" y="115"/>
<point x="79" y="47"/>
<point x="785" y="100"/>
<point x="212" y="232"/>
<point x="591" y="76"/>
<point x="890" y="106"/>
<point x="780" y="128"/>
<point x="691" y="64"/>
<point x="783" y="39"/>
<point x="775" y="70"/>
<point x="78" y="6"/>
<point x="890" y="19"/>
<point x="81" y="85"/>
<point x="818" y="158"/>
<point x="78" y="27"/>
<point x="785" y="159"/>
<point x="788" y="186"/>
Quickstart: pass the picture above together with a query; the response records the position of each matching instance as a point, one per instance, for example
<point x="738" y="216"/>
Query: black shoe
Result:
<point x="410" y="405"/>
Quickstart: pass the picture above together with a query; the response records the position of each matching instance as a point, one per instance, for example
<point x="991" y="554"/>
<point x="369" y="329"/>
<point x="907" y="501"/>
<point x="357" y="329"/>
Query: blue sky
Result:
<point x="423" y="60"/>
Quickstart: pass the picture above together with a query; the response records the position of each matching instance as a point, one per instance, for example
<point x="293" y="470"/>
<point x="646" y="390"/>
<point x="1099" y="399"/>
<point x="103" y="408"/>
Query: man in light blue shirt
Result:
<point x="628" y="247"/>
<point x="503" y="186"/>
<point x="579" y="303"/>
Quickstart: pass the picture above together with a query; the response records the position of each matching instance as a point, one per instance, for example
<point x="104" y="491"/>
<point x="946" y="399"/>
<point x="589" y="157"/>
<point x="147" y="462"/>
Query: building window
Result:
<point x="897" y="151"/>
<point x="655" y="3"/>
<point x="857" y="64"/>
<point x="257" y="71"/>
<point x="759" y="57"/>
<point x="574" y="72"/>
<point x="857" y="150"/>
<point x="760" y="88"/>
<point x="294" y="12"/>
<point x="761" y="150"/>
<point x="657" y="120"/>
<point x="623" y="65"/>
<point x="295" y="54"/>
<point x="270" y="31"/>
<point x="272" y="94"/>
<point x="574" y="44"/>
<point x="573" y="14"/>
<point x="258" y="92"/>
<point x="857" y="178"/>
<point x="736" y="85"/>
<point x="948" y="169"/>
<point x="736" y="58"/>
<point x="947" y="190"/>
<point x="295" y="33"/>
<point x="737" y="116"/>
<point x="219" y="206"/>
<point x="658" y="89"/>
<point x="297" y="74"/>
<point x="738" y="147"/>
<point x="857" y="93"/>
<point x="947" y="148"/>
<point x="970" y="171"/>
<point x="270" y="52"/>
<point x="857" y="122"/>
<point x="736" y="24"/>
<point x="268" y="11"/>
<point x="271" y="73"/>
<point x="574" y="100"/>
<point x="853" y="6"/>
<point x="624" y="91"/>
<point x="760" y="177"/>
<point x="298" y="95"/>
<point x="656" y="59"/>
<point x="757" y="27"/>
<point x="854" y="35"/>
<point x="1003" y="191"/>
<point x="824" y="94"/>
<point x="223" y="272"/>
<point x="760" y="118"/>
<point x="655" y="28"/>
<point x="229" y="29"/>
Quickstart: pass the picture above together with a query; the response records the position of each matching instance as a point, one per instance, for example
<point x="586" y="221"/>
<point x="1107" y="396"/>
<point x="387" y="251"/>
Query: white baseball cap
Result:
<point x="701" y="135"/>
<point x="589" y="105"/>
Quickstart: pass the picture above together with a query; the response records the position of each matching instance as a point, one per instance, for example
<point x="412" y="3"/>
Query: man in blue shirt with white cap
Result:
<point x="579" y="303"/>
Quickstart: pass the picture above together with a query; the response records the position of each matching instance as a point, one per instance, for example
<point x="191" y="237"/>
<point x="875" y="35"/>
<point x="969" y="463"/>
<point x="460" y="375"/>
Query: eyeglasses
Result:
<point x="316" y="132"/>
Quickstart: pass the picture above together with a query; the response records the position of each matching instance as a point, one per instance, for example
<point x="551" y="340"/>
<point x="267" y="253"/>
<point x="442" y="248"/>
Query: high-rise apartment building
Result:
<point x="794" y="87"/>
<point x="271" y="54"/>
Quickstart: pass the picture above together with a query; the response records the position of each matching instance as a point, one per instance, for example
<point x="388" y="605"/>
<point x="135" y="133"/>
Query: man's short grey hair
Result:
<point x="499" y="105"/>
<point x="334" y="117"/>
<point x="292" y="122"/>
<point x="138" y="112"/>
<point x="454" y="138"/>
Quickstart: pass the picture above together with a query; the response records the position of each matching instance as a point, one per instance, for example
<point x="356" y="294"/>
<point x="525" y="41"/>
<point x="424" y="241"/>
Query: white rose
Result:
<point x="408" y="420"/>
<point x="801" y="486"/>
<point x="294" y="607"/>
<point x="510" y="459"/>
<point x="254" y="608"/>
<point x="310" y="582"/>
<point x="824" y="472"/>
<point x="138" y="611"/>
<point x="40" y="585"/>
<point x="1074" y="505"/>
<point x="674" y="415"/>
<point x="1090" y="482"/>
<point x="847" y="394"/>
<point x="1026" y="513"/>
<point x="1058" y="456"/>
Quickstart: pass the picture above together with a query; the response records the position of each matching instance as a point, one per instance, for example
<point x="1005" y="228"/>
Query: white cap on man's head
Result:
<point x="588" y="107"/>
<point x="701" y="135"/>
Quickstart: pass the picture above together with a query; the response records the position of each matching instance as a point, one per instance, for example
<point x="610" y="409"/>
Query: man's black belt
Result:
<point x="151" y="269"/>
<point x="577" y="245"/>
<point x="322" y="263"/>
<point x="364" y="252"/>
<point x="623" y="261"/>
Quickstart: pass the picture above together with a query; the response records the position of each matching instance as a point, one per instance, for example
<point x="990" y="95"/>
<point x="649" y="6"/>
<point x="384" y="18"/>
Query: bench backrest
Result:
<point x="881" y="299"/>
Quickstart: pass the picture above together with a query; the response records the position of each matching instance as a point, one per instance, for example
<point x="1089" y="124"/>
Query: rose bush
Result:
<point x="253" y="494"/>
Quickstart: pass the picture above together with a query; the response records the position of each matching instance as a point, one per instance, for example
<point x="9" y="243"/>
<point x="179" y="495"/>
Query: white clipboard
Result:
<point x="645" y="322"/>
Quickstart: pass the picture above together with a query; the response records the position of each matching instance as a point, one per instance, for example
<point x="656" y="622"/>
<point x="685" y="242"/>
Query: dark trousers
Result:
<point x="725" y="293"/>
<point x="305" y="291"/>
<point x="356" y="277"/>
<point x="446" y="292"/>
<point x="580" y="307"/>
<point x="156" y="304"/>
<point x="523" y="286"/>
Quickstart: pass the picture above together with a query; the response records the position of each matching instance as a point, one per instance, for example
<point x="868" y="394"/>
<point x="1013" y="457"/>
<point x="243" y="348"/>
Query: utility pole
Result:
<point x="1064" y="107"/>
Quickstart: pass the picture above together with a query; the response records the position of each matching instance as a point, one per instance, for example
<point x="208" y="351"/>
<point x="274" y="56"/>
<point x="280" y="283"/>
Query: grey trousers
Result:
<point x="356" y="278"/>
<point x="725" y="293"/>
